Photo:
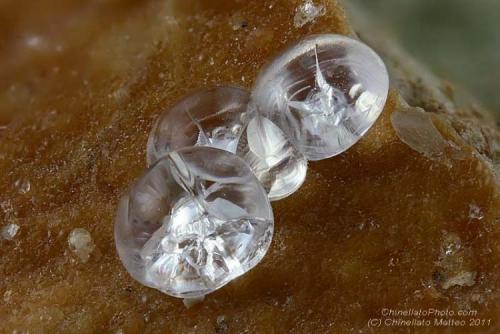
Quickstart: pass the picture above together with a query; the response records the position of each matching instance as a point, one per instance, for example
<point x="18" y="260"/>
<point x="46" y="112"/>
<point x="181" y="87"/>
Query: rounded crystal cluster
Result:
<point x="197" y="219"/>
<point x="325" y="92"/>
<point x="200" y="216"/>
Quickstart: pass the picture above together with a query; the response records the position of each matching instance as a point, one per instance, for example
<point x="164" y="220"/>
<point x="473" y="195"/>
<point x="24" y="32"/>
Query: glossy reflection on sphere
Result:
<point x="197" y="219"/>
<point x="325" y="92"/>
<point x="212" y="117"/>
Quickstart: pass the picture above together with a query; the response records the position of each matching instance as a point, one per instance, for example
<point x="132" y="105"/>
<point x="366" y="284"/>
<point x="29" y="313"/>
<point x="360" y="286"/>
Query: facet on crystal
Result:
<point x="212" y="117"/>
<point x="220" y="117"/>
<point x="325" y="93"/>
<point x="197" y="219"/>
<point x="279" y="166"/>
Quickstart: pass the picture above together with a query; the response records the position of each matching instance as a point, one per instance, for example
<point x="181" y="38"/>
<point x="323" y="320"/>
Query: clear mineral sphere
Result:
<point x="197" y="219"/>
<point x="280" y="166"/>
<point x="220" y="117"/>
<point x="324" y="92"/>
<point x="212" y="117"/>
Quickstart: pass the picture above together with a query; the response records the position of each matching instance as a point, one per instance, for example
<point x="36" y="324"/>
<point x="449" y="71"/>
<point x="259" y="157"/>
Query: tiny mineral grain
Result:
<point x="81" y="243"/>
<point x="306" y="13"/>
<point x="9" y="231"/>
<point x="23" y="186"/>
<point x="190" y="302"/>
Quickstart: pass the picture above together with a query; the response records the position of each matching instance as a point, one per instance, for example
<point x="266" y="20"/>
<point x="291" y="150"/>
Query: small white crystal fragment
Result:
<point x="306" y="13"/>
<point x="324" y="93"/>
<point x="475" y="211"/>
<point x="7" y="296"/>
<point x="9" y="231"/>
<point x="451" y="245"/>
<point x="81" y="243"/>
<point x="22" y="185"/>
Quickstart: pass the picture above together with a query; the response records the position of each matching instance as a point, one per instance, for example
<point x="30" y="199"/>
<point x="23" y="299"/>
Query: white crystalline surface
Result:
<point x="220" y="117"/>
<point x="306" y="13"/>
<point x="325" y="92"/>
<point x="196" y="220"/>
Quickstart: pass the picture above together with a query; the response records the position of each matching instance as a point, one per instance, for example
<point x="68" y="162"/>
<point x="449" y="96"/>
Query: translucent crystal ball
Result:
<point x="279" y="165"/>
<point x="220" y="117"/>
<point x="325" y="92"/>
<point x="212" y="117"/>
<point x="197" y="219"/>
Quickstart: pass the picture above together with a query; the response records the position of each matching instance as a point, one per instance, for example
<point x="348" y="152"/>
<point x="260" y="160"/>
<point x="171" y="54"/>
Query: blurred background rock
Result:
<point x="458" y="39"/>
